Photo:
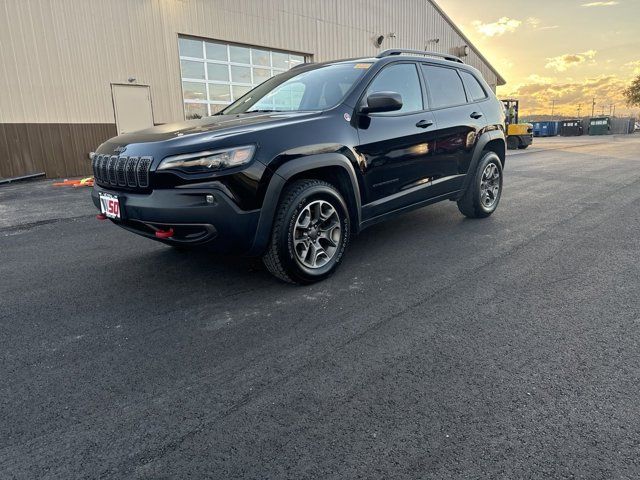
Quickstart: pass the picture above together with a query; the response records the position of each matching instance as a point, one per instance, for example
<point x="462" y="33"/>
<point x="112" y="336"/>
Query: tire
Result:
<point x="310" y="234"/>
<point x="474" y="203"/>
<point x="512" y="142"/>
<point x="177" y="248"/>
<point x="181" y="248"/>
<point x="523" y="146"/>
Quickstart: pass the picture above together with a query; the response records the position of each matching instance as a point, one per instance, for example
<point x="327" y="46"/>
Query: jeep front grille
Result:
<point x="127" y="172"/>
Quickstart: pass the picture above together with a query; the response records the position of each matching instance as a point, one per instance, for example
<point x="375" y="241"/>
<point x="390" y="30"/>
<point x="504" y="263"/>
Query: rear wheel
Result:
<point x="483" y="193"/>
<point x="181" y="248"/>
<point x="513" y="142"/>
<point x="310" y="233"/>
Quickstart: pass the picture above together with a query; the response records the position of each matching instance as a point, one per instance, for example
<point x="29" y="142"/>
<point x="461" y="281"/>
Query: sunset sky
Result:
<point x="567" y="50"/>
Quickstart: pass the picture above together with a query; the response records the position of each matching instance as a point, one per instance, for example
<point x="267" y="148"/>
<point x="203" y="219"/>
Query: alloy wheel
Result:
<point x="490" y="185"/>
<point x="317" y="234"/>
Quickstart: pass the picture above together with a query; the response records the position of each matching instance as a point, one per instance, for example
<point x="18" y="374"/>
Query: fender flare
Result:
<point x="280" y="178"/>
<point x="477" y="154"/>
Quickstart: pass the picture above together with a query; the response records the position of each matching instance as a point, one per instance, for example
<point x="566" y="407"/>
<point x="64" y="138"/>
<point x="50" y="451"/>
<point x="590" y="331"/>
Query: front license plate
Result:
<point x="110" y="205"/>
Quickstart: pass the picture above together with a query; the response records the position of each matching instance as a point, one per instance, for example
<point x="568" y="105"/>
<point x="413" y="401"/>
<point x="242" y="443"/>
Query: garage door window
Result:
<point x="215" y="74"/>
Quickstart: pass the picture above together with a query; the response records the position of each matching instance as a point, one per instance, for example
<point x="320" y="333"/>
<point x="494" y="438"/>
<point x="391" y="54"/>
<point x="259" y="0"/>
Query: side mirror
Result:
<point x="382" y="102"/>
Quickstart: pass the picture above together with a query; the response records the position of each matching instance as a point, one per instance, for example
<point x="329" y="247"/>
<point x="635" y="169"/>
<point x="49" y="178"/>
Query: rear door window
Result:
<point x="400" y="78"/>
<point x="474" y="89"/>
<point x="445" y="86"/>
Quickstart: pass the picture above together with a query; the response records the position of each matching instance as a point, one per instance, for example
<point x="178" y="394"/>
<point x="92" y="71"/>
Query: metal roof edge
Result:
<point x="501" y="80"/>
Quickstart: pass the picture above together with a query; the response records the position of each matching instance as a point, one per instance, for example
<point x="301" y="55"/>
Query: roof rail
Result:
<point x="400" y="51"/>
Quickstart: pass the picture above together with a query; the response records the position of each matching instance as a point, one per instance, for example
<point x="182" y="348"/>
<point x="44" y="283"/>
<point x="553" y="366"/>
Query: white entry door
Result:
<point x="132" y="104"/>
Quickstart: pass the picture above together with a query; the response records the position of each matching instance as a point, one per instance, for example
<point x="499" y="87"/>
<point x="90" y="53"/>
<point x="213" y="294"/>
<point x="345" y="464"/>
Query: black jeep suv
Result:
<point x="294" y="168"/>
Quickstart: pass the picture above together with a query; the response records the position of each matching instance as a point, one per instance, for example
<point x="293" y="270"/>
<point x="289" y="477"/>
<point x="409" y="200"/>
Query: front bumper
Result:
<point x="220" y="225"/>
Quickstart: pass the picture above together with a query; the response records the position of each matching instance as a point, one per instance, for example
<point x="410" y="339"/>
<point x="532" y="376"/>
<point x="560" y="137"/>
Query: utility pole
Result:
<point x="553" y="109"/>
<point x="593" y="107"/>
<point x="614" y="111"/>
<point x="579" y="109"/>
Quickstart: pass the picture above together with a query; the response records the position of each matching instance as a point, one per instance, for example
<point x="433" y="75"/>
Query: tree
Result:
<point x="632" y="93"/>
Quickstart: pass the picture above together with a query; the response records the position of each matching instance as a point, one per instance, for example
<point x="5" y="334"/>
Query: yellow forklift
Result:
<point x="519" y="135"/>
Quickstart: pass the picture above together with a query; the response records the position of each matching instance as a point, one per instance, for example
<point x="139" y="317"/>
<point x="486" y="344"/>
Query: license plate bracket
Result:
<point x="111" y="206"/>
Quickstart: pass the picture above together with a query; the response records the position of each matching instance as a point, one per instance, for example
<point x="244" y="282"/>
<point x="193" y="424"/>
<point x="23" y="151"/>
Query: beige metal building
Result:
<point x="76" y="72"/>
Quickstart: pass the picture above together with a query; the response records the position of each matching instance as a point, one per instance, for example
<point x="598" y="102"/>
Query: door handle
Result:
<point x="424" y="123"/>
<point x="476" y="115"/>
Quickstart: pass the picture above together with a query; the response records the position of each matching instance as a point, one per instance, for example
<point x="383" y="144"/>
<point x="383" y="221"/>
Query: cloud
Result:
<point x="599" y="4"/>
<point x="536" y="24"/>
<point x="534" y="21"/>
<point x="535" y="78"/>
<point x="537" y="93"/>
<point x="498" y="28"/>
<point x="563" y="62"/>
<point x="635" y="66"/>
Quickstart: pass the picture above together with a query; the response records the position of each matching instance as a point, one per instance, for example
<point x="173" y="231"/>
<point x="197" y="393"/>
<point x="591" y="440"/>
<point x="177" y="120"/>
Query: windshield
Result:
<point x="318" y="89"/>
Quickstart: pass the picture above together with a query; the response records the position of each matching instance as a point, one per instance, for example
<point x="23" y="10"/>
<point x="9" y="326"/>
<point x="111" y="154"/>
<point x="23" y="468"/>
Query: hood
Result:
<point x="213" y="127"/>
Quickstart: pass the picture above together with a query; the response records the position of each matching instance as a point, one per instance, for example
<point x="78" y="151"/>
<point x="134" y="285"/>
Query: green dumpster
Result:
<point x="600" y="126"/>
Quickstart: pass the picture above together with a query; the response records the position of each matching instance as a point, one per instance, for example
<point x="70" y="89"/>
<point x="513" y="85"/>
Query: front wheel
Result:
<point x="483" y="193"/>
<point x="310" y="233"/>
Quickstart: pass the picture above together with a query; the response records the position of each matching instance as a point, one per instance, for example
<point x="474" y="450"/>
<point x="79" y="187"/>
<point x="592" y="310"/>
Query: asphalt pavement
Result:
<point x="444" y="348"/>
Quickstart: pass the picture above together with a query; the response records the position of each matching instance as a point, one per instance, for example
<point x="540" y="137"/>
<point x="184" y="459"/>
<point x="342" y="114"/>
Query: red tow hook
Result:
<point x="164" y="233"/>
<point x="101" y="216"/>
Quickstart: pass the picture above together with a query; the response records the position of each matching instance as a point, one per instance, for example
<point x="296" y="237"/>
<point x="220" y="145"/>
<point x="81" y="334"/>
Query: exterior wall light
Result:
<point x="377" y="41"/>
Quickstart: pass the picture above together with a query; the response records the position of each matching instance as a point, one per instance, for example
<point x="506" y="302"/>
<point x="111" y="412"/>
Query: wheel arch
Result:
<point x="333" y="168"/>
<point x="499" y="147"/>
<point x="494" y="141"/>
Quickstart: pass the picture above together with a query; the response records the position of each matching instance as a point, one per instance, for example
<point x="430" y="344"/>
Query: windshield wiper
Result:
<point x="264" y="111"/>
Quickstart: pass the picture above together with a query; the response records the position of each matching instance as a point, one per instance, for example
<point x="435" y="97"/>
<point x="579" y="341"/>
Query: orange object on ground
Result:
<point x="84" y="182"/>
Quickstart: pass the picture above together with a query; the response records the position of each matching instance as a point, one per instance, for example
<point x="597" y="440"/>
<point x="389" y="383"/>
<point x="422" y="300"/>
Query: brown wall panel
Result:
<point x="12" y="159"/>
<point x="58" y="149"/>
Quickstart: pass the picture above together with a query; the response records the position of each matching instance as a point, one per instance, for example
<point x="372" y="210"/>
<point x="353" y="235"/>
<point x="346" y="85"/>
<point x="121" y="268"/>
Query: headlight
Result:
<point x="201" y="162"/>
